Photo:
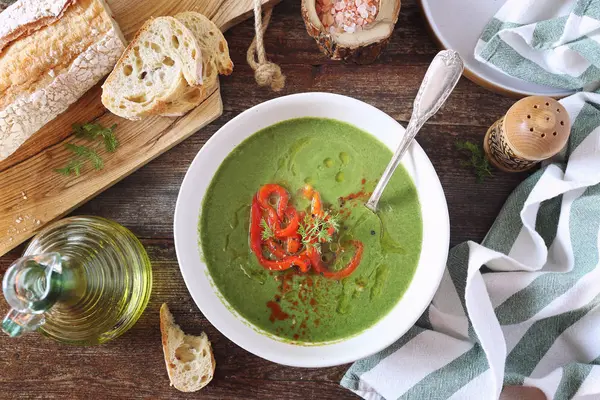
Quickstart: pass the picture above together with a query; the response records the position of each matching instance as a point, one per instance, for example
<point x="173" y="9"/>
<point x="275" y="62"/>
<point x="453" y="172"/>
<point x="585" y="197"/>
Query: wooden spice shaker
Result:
<point x="534" y="129"/>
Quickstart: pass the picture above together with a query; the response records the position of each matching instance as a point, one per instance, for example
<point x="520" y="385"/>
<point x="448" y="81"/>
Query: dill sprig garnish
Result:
<point x="477" y="159"/>
<point x="267" y="232"/>
<point x="86" y="153"/>
<point x="315" y="230"/>
<point x="82" y="154"/>
<point x="72" y="167"/>
<point x="91" y="131"/>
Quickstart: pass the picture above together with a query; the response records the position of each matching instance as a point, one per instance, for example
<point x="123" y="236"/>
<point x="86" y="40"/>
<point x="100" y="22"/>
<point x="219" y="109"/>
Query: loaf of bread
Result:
<point x="161" y="61"/>
<point x="189" y="359"/>
<point x="51" y="53"/>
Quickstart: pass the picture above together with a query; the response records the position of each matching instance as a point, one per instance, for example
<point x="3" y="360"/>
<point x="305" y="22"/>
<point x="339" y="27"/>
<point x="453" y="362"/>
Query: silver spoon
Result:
<point x="439" y="81"/>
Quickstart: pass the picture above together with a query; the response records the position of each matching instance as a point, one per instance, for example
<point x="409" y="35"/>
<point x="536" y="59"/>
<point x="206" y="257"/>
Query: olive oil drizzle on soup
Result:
<point x="341" y="163"/>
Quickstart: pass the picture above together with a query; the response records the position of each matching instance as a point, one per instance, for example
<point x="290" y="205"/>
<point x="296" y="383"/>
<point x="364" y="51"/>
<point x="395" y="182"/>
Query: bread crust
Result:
<point x="191" y="98"/>
<point x="26" y="16"/>
<point x="30" y="108"/>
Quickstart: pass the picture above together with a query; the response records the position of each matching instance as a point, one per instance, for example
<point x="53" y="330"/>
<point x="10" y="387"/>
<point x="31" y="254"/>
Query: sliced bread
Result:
<point x="215" y="61"/>
<point x="212" y="43"/>
<point x="158" y="65"/>
<point x="190" y="360"/>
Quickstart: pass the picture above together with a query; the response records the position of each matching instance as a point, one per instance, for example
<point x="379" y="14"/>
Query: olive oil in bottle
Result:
<point x="82" y="280"/>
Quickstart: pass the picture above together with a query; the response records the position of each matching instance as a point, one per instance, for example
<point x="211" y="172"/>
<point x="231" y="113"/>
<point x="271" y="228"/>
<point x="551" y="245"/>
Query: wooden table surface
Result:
<point x="132" y="366"/>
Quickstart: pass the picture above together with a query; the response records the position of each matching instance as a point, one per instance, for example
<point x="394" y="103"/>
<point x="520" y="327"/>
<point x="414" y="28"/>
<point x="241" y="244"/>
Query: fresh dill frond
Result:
<point x="73" y="167"/>
<point x="305" y="237"/>
<point x="315" y="230"/>
<point x="312" y="245"/>
<point x="81" y="154"/>
<point x="86" y="153"/>
<point x="87" y="131"/>
<point x="307" y="219"/>
<point x="301" y="230"/>
<point x="324" y="236"/>
<point x="476" y="159"/>
<point x="110" y="141"/>
<point x="267" y="232"/>
<point x="334" y="221"/>
<point x="92" y="131"/>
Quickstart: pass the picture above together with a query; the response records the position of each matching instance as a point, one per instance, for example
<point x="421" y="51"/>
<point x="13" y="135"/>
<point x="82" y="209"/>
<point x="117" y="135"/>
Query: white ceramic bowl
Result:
<point x="205" y="293"/>
<point x="458" y="24"/>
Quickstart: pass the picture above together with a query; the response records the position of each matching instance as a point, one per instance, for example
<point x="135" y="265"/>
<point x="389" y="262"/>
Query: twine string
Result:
<point x="266" y="73"/>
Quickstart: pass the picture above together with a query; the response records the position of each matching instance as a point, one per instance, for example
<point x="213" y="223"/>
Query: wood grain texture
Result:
<point x="132" y="367"/>
<point x="33" y="194"/>
<point x="537" y="127"/>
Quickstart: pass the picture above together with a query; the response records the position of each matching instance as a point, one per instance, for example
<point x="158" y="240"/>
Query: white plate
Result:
<point x="195" y="273"/>
<point x="458" y="24"/>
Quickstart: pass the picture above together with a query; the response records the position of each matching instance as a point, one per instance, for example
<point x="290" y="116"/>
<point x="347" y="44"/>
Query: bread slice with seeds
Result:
<point x="190" y="360"/>
<point x="215" y="61"/>
<point x="156" y="68"/>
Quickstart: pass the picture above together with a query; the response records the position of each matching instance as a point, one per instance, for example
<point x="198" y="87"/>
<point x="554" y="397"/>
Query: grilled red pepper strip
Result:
<point x="316" y="206"/>
<point x="307" y="191"/>
<point x="255" y="228"/>
<point x="293" y="243"/>
<point x="275" y="249"/>
<point x="276" y="217"/>
<point x="265" y="193"/>
<point x="287" y="262"/>
<point x="292" y="228"/>
<point x="317" y="264"/>
<point x="303" y="263"/>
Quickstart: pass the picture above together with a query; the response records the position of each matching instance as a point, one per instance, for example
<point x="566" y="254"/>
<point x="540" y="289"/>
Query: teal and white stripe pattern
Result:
<point x="549" y="42"/>
<point x="523" y="307"/>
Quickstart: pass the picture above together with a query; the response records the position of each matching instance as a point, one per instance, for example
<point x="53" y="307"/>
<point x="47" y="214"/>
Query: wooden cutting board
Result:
<point x="32" y="194"/>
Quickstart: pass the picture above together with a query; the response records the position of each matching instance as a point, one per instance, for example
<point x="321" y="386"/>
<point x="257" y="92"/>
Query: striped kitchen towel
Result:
<point x="549" y="42"/>
<point x="523" y="307"/>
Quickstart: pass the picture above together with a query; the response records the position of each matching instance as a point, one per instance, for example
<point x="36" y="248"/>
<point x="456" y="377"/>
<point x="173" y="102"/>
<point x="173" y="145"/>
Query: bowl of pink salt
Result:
<point x="351" y="30"/>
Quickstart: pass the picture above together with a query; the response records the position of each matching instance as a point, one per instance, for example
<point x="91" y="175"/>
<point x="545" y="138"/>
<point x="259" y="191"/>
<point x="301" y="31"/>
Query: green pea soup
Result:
<point x="343" y="163"/>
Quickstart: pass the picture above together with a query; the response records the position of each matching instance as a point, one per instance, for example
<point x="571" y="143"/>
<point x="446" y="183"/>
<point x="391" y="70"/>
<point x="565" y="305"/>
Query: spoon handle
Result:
<point x="439" y="81"/>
